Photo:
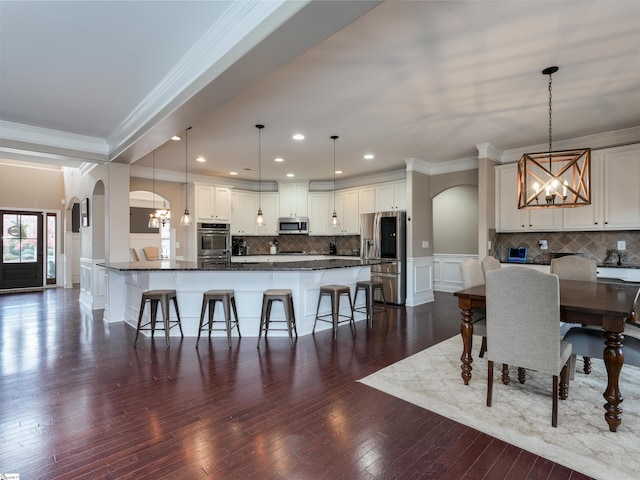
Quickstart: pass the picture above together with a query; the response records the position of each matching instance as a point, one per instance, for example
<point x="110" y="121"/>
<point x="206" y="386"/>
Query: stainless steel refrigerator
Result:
<point x="383" y="236"/>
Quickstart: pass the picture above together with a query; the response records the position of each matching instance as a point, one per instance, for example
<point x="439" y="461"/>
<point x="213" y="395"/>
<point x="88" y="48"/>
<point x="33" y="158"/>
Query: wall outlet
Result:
<point x="622" y="245"/>
<point x="425" y="243"/>
<point x="489" y="245"/>
<point x="543" y="244"/>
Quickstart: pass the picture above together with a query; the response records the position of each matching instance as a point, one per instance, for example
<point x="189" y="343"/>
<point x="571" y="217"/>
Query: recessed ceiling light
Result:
<point x="201" y="159"/>
<point x="278" y="159"/>
<point x="233" y="173"/>
<point x="290" y="175"/>
<point x="338" y="172"/>
<point x="298" y="136"/>
<point x="176" y="138"/>
<point x="368" y="156"/>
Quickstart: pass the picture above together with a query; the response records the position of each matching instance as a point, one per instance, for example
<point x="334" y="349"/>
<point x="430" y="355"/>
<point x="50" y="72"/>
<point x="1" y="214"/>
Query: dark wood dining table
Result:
<point x="608" y="305"/>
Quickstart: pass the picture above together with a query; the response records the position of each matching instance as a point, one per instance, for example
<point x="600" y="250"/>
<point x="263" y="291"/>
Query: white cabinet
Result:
<point x="615" y="196"/>
<point x="320" y="209"/>
<point x="213" y="203"/>
<point x="391" y="196"/>
<point x="511" y="219"/>
<point x="293" y="199"/>
<point x="366" y="200"/>
<point x="269" y="203"/>
<point x="348" y="211"/>
<point x="244" y="207"/>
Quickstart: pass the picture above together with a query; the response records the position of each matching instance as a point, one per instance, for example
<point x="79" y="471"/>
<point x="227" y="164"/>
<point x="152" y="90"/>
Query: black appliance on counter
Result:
<point x="384" y="237"/>
<point x="333" y="250"/>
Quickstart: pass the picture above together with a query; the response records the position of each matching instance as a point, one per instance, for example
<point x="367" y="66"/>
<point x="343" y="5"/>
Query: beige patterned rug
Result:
<point x="521" y="414"/>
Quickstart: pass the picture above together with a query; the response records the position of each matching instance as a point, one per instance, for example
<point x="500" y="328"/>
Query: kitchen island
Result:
<point x="128" y="280"/>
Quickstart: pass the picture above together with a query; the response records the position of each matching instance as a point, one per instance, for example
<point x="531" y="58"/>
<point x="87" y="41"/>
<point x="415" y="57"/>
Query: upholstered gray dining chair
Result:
<point x="523" y="327"/>
<point x="472" y="276"/>
<point x="490" y="263"/>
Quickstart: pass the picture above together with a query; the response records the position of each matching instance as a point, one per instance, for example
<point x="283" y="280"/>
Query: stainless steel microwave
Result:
<point x="293" y="225"/>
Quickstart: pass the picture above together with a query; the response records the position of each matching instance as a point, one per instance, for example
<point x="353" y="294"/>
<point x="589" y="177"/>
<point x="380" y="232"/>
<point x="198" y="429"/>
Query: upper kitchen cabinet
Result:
<point x="213" y="204"/>
<point x="244" y="207"/>
<point x="391" y="196"/>
<point x="270" y="212"/>
<point x="511" y="219"/>
<point x="366" y="200"/>
<point x="348" y="211"/>
<point x="615" y="196"/>
<point x="293" y="199"/>
<point x="320" y="209"/>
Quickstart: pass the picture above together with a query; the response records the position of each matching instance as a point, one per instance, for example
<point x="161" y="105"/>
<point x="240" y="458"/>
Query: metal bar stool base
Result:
<point x="164" y="297"/>
<point x="277" y="295"/>
<point x="228" y="301"/>
<point x="370" y="287"/>
<point x="335" y="292"/>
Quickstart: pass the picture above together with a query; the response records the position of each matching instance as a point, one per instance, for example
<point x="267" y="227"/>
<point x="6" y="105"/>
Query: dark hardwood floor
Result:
<point x="77" y="401"/>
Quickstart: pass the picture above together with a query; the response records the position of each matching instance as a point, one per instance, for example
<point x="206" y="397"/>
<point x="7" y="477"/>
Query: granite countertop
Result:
<point x="177" y="265"/>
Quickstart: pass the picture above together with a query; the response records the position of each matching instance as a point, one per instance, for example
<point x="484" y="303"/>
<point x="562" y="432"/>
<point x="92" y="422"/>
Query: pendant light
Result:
<point x="554" y="179"/>
<point x="259" y="216"/>
<point x="153" y="219"/>
<point x="335" y="222"/>
<point x="185" y="221"/>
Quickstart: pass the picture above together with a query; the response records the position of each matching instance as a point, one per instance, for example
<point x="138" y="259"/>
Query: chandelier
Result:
<point x="551" y="179"/>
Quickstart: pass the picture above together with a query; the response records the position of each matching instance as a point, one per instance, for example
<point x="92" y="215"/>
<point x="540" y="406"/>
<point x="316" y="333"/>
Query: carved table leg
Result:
<point x="613" y="360"/>
<point x="466" y="330"/>
<point x="505" y="374"/>
<point x="522" y="375"/>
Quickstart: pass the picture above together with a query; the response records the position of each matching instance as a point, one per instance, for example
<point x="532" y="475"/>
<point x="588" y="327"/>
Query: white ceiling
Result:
<point x="421" y="80"/>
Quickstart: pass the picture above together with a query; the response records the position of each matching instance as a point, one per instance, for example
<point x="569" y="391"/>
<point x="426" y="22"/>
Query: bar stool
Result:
<point x="335" y="292"/>
<point x="277" y="295"/>
<point x="369" y="287"/>
<point x="163" y="297"/>
<point x="228" y="300"/>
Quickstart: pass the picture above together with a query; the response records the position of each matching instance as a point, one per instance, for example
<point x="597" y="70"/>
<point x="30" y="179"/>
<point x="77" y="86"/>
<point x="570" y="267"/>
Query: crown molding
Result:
<point x="439" y="168"/>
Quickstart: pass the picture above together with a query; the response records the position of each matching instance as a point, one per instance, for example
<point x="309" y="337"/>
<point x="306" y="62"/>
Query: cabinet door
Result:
<point x="384" y="198"/>
<point x="249" y="213"/>
<point x="366" y="200"/>
<point x="293" y="199"/>
<point x="204" y="202"/>
<point x="622" y="189"/>
<point x="269" y="203"/>
<point x="320" y="208"/>
<point x="508" y="217"/>
<point x="350" y="221"/>
<point x="588" y="217"/>
<point x="400" y="195"/>
<point x="222" y="203"/>
<point x="236" y="213"/>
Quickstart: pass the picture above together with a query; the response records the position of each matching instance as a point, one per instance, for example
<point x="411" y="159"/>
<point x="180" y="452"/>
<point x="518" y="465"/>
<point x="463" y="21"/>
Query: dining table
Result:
<point x="607" y="305"/>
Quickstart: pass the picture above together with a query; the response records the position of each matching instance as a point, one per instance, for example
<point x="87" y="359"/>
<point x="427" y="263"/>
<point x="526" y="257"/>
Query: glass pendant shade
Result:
<point x="551" y="179"/>
<point x="185" y="220"/>
<point x="153" y="221"/>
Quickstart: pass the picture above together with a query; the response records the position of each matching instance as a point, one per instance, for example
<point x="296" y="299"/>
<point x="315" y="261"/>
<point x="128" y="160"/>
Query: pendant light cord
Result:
<point x="550" y="142"/>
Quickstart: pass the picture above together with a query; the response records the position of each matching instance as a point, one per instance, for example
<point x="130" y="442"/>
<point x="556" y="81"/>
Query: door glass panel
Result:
<point x="19" y="238"/>
<point x="51" y="246"/>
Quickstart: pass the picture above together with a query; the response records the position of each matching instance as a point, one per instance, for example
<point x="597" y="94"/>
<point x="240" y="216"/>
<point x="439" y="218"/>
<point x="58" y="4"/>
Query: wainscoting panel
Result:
<point x="446" y="268"/>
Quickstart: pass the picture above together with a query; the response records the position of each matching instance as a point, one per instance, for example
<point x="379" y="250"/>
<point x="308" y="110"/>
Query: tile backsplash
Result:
<point x="346" y="245"/>
<point x="601" y="246"/>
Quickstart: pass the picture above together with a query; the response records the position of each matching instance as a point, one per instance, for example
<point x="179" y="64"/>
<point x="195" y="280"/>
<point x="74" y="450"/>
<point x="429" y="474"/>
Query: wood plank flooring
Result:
<point x="78" y="402"/>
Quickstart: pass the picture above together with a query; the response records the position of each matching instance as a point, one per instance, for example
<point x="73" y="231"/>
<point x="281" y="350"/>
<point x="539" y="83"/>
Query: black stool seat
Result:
<point x="228" y="300"/>
<point x="154" y="297"/>
<point x="370" y="287"/>
<point x="277" y="295"/>
<point x="335" y="292"/>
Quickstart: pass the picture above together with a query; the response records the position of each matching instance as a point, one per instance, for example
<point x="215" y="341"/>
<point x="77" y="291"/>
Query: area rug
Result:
<point x="521" y="414"/>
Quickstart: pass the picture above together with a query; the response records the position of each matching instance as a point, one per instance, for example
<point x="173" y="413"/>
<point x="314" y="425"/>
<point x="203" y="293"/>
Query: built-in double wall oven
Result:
<point x="214" y="241"/>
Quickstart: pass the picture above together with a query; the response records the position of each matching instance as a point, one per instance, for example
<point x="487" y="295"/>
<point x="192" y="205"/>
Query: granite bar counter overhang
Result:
<point x="128" y="280"/>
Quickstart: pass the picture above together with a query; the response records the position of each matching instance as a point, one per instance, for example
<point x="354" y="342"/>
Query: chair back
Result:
<point x="574" y="267"/>
<point x="490" y="263"/>
<point x="136" y="254"/>
<point x="471" y="273"/>
<point x="152" y="253"/>
<point x="523" y="318"/>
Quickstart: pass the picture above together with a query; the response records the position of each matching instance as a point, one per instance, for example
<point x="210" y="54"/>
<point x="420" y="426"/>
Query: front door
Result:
<point x="22" y="253"/>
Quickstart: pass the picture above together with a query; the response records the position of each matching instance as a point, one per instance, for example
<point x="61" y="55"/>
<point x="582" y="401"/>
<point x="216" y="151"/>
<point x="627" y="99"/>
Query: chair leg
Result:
<point x="262" y="319"/>
<point x="202" y="312"/>
<point x="522" y="375"/>
<point x="164" y="303"/>
<point x="175" y="304"/>
<point x="335" y="308"/>
<point x="505" y="374"/>
<point x="489" y="383"/>
<point x="352" y="321"/>
<point x="317" y="312"/>
<point x="587" y="365"/>
<point x="139" y="322"/>
<point x="483" y="347"/>
<point x="564" y="382"/>
<point x="554" y="397"/>
<point x="235" y="314"/>
<point x="288" y="313"/>
<point x="227" y="319"/>
<point x="293" y="317"/>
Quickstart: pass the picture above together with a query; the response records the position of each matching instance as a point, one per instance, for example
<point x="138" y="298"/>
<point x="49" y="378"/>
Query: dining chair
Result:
<point x="152" y="253"/>
<point x="136" y="254"/>
<point x="472" y="276"/>
<point x="523" y="328"/>
<point x="490" y="263"/>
